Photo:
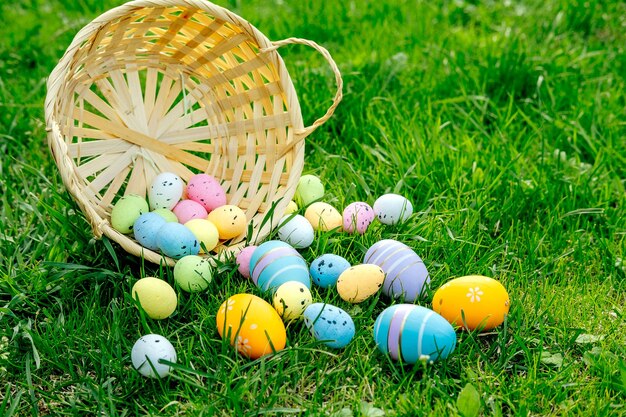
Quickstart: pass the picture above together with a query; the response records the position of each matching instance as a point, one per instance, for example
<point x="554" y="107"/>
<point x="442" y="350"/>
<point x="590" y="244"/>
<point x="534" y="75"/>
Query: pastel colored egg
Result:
<point x="165" y="191"/>
<point x="392" y="208"/>
<point x="193" y="273"/>
<point x="146" y="228"/>
<point x="309" y="190"/>
<point x="126" y="211"/>
<point x="176" y="241"/>
<point x="291" y="299"/>
<point x="156" y="297"/>
<point x="411" y="333"/>
<point x="296" y="230"/>
<point x="292" y="207"/>
<point x="207" y="191"/>
<point x="243" y="260"/>
<point x="230" y="221"/>
<point x="274" y="262"/>
<point x="406" y="275"/>
<point x="329" y="324"/>
<point x="147" y="353"/>
<point x="251" y="325"/>
<point x="205" y="232"/>
<point x="168" y="215"/>
<point x="326" y="269"/>
<point x="357" y="217"/>
<point x="360" y="282"/>
<point x="472" y="302"/>
<point x="323" y="216"/>
<point x="187" y="210"/>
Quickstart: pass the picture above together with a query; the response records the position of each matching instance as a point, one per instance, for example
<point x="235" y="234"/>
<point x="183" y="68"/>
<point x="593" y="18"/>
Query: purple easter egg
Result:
<point x="243" y="260"/>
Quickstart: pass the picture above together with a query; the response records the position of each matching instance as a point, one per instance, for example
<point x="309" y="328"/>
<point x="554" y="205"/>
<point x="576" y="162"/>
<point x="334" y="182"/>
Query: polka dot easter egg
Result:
<point x="291" y="299"/>
<point x="243" y="260"/>
<point x="309" y="190"/>
<point x="193" y="273"/>
<point x="146" y="228"/>
<point x="168" y="215"/>
<point x="205" y="232"/>
<point x="357" y="217"/>
<point x="176" y="241"/>
<point x="126" y="211"/>
<point x="156" y="297"/>
<point x="165" y="191"/>
<point x="147" y="353"/>
<point x="392" y="208"/>
<point x="473" y="302"/>
<point x="326" y="269"/>
<point x="323" y="216"/>
<point x="230" y="221"/>
<point x="329" y="324"/>
<point x="251" y="325"/>
<point x="274" y="262"/>
<point x="360" y="282"/>
<point x="296" y="230"/>
<point x="187" y="210"/>
<point x="206" y="190"/>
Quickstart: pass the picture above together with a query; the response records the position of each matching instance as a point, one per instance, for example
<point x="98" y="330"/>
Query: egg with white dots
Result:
<point x="326" y="269"/>
<point x="291" y="299"/>
<point x="391" y="209"/>
<point x="147" y="354"/>
<point x="329" y="324"/>
<point x="165" y="191"/>
<point x="296" y="230"/>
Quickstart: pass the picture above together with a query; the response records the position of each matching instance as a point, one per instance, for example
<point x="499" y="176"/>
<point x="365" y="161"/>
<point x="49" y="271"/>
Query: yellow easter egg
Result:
<point x="292" y="207"/>
<point x="156" y="296"/>
<point x="291" y="299"/>
<point x="252" y="325"/>
<point x="358" y="283"/>
<point x="206" y="233"/>
<point x="323" y="216"/>
<point x="472" y="302"/>
<point x="230" y="221"/>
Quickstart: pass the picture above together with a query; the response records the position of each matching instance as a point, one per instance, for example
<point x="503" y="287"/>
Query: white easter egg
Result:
<point x="296" y="230"/>
<point x="146" y="353"/>
<point x="165" y="191"/>
<point x="392" y="208"/>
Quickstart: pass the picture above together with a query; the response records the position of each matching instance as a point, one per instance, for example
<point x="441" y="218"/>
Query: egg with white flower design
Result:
<point x="472" y="302"/>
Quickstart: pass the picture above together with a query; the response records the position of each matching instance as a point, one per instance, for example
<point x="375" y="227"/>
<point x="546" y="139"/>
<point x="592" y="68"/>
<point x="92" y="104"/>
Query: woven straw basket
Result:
<point x="180" y="86"/>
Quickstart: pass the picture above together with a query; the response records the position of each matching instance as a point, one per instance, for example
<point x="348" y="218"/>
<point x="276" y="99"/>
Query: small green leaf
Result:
<point x="368" y="410"/>
<point x="344" y="412"/>
<point x="552" y="359"/>
<point x="584" y="338"/>
<point x="468" y="402"/>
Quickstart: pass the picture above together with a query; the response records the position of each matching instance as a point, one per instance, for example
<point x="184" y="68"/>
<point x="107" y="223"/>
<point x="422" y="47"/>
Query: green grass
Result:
<point x="504" y="122"/>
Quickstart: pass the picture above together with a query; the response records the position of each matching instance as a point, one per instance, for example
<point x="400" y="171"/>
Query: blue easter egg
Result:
<point x="326" y="269"/>
<point x="329" y="324"/>
<point x="146" y="228"/>
<point x="410" y="333"/>
<point x="274" y="263"/>
<point x="176" y="241"/>
<point x="263" y="248"/>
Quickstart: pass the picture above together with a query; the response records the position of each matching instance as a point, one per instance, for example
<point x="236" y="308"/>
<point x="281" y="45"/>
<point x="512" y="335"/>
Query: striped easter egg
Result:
<point x="274" y="262"/>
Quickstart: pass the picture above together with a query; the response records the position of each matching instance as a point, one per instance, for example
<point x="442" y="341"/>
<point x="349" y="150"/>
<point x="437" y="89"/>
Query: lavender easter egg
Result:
<point x="357" y="217"/>
<point x="146" y="229"/>
<point x="329" y="324"/>
<point x="165" y="191"/>
<point x="243" y="260"/>
<point x="176" y="241"/>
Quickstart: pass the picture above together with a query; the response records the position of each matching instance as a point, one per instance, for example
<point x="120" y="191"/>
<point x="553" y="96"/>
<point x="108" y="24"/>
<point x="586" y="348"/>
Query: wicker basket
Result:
<point x="183" y="86"/>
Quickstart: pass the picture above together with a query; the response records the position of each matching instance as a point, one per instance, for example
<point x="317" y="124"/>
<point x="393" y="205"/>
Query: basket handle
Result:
<point x="301" y="134"/>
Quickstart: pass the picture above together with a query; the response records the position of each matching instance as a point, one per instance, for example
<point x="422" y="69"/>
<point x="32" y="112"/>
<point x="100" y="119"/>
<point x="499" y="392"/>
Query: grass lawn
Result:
<point x="503" y="121"/>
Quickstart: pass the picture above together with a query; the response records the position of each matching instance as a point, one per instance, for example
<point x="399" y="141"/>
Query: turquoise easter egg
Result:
<point x="146" y="229"/>
<point x="329" y="324"/>
<point x="274" y="263"/>
<point x="176" y="241"/>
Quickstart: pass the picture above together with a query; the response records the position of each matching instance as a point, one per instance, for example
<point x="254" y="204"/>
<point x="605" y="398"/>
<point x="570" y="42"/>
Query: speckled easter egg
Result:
<point x="230" y="221"/>
<point x="274" y="262"/>
<point x="291" y="299"/>
<point x="205" y="232"/>
<point x="296" y="230"/>
<point x="193" y="273"/>
<point x="126" y="211"/>
<point x="411" y="333"/>
<point x="323" y="216"/>
<point x="358" y="283"/>
<point x="207" y="191"/>
<point x="165" y="191"/>
<point x="292" y="207"/>
<point x="176" y="241"/>
<point x="187" y="210"/>
<point x="309" y="190"/>
<point x="252" y="325"/>
<point x="148" y="351"/>
<point x="326" y="269"/>
<point x="406" y="275"/>
<point x="357" y="217"/>
<point x="472" y="302"/>
<point x="156" y="297"/>
<point x="392" y="208"/>
<point x="329" y="324"/>
<point x="243" y="260"/>
<point x="168" y="215"/>
<point x="146" y="228"/>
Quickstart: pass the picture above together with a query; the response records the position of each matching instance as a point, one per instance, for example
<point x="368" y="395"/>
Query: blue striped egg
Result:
<point x="274" y="263"/>
<point x="329" y="324"/>
<point x="410" y="333"/>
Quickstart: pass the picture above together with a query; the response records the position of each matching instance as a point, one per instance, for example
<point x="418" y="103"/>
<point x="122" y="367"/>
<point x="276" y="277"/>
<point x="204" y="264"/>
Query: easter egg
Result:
<point x="326" y="269"/>
<point x="392" y="208"/>
<point x="329" y="324"/>
<point x="243" y="260"/>
<point x="323" y="216"/>
<point x="274" y="262"/>
<point x="357" y="217"/>
<point x="205" y="232"/>
<point x="165" y="191"/>
<point x="156" y="297"/>
<point x="291" y="299"/>
<point x="405" y="274"/>
<point x="168" y="215"/>
<point x="176" y="241"/>
<point x="292" y="207"/>
<point x="206" y="190"/>
<point x="472" y="302"/>
<point x="230" y="221"/>
<point x="309" y="190"/>
<point x="251" y="325"/>
<point x="187" y="210"/>
<point x="411" y="333"/>
<point x="126" y="211"/>
<point x="148" y="351"/>
<point x="360" y="282"/>
<point x="146" y="228"/>
<point x="193" y="273"/>
<point x="296" y="230"/>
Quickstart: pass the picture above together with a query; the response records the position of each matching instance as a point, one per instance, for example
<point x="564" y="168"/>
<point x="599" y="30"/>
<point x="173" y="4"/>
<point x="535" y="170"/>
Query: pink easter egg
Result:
<point x="357" y="217"/>
<point x="186" y="210"/>
<point x="206" y="190"/>
<point x="243" y="260"/>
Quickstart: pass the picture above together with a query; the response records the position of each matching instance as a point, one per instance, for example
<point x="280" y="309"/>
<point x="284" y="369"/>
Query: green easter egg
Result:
<point x="193" y="273"/>
<point x="168" y="215"/>
<point x="126" y="211"/>
<point x="309" y="189"/>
